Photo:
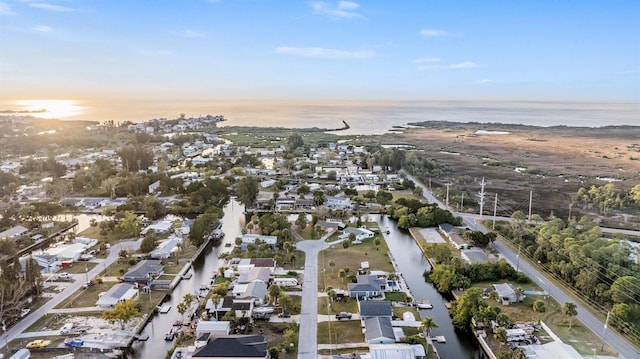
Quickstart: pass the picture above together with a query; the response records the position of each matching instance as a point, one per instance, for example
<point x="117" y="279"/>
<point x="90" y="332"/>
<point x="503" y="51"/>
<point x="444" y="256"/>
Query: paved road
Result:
<point x="308" y="334"/>
<point x="72" y="287"/>
<point x="624" y="349"/>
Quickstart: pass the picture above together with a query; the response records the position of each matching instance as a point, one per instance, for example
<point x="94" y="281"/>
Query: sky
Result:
<point x="284" y="49"/>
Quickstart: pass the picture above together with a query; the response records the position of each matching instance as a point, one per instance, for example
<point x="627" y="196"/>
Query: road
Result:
<point x="308" y="334"/>
<point x="72" y="287"/>
<point x="614" y="340"/>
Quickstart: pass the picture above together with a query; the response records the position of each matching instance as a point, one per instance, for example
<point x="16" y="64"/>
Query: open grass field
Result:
<point x="79" y="267"/>
<point x="350" y="306"/>
<point x="111" y="237"/>
<point x="346" y="331"/>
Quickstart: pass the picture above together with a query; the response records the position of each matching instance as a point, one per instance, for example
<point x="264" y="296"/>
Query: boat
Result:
<point x="141" y="337"/>
<point x="424" y="305"/>
<point x="165" y="308"/>
<point x="171" y="334"/>
<point x="203" y="291"/>
<point x="440" y="339"/>
<point x="187" y="275"/>
<point x="217" y="234"/>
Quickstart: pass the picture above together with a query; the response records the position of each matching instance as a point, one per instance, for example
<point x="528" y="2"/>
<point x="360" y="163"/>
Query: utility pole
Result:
<point x="495" y="209"/>
<point x="570" y="205"/>
<point x="518" y="259"/>
<point x="604" y="331"/>
<point x="462" y="202"/>
<point x="530" y="203"/>
<point x="429" y="184"/>
<point x="482" y="184"/>
<point x="447" y="198"/>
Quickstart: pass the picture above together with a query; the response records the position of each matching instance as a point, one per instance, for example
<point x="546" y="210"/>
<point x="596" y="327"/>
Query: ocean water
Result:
<point x="364" y="117"/>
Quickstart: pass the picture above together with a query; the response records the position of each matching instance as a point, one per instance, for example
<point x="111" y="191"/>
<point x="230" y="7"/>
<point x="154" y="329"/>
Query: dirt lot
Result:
<point x="556" y="161"/>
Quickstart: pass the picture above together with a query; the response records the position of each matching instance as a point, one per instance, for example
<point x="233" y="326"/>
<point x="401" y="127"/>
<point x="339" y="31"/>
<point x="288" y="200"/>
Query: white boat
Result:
<point x="440" y="339"/>
<point x="164" y="308"/>
<point x="424" y="305"/>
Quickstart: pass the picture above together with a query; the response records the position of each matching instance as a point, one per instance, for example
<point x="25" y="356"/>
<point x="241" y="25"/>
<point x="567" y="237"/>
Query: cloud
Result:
<point x="192" y="33"/>
<point x="50" y="7"/>
<point x="341" y="9"/>
<point x="485" y="81"/>
<point x="43" y="28"/>
<point x="5" y="9"/>
<point x="433" y="32"/>
<point x="432" y="66"/>
<point x="426" y="60"/>
<point x="465" y="65"/>
<point x="319" y="52"/>
<point x="155" y="52"/>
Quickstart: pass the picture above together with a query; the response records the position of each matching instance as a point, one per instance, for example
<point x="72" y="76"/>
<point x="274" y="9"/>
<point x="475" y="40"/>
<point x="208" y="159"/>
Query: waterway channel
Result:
<point x="412" y="264"/>
<point x="203" y="267"/>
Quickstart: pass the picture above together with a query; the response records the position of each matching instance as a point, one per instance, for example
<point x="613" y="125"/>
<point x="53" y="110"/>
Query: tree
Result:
<point x="426" y="325"/>
<point x="319" y="198"/>
<point x="377" y="242"/>
<point x="501" y="335"/>
<point x="122" y="313"/>
<point x="503" y="320"/>
<point x="570" y="310"/>
<point x="130" y="224"/>
<point x="519" y="293"/>
<point x="294" y="141"/>
<point x="539" y="306"/>
<point x="342" y="273"/>
<point x="274" y="293"/>
<point x="463" y="309"/>
<point x="285" y="302"/>
<point x="274" y="352"/>
<point x="332" y="264"/>
<point x="149" y="242"/>
<point x="247" y="190"/>
<point x="301" y="221"/>
<point x="625" y="290"/>
<point x="215" y="299"/>
<point x="182" y="308"/>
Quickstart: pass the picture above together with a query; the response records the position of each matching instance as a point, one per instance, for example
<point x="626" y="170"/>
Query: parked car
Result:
<point x="25" y="312"/>
<point x="64" y="275"/>
<point x="87" y="285"/>
<point x="284" y="315"/>
<point x="343" y="315"/>
<point x="73" y="342"/>
<point x="38" y="344"/>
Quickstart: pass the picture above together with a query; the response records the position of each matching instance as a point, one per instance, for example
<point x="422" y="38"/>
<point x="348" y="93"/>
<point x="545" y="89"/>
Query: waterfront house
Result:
<point x="166" y="248"/>
<point x="254" y="274"/>
<point x="378" y="330"/>
<point x="213" y="328"/>
<point x="374" y="308"/>
<point x="256" y="290"/>
<point x="144" y="271"/>
<point x="340" y="203"/>
<point x="361" y="234"/>
<point x="245" y="264"/>
<point x="367" y="286"/>
<point x="161" y="227"/>
<point x="234" y="346"/>
<point x="116" y="294"/>
<point x="396" y="351"/>
<point x="254" y="239"/>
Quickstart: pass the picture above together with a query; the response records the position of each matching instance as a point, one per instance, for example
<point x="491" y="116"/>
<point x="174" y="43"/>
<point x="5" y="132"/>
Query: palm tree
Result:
<point x="426" y="325"/>
<point x="287" y="246"/>
<point x="570" y="309"/>
<point x="493" y="295"/>
<point x="342" y="273"/>
<point x="519" y="293"/>
<point x="182" y="308"/>
<point x="216" y="298"/>
<point x="332" y="264"/>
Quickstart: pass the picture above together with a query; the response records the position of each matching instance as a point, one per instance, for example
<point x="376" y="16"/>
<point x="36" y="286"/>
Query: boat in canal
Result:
<point x="171" y="334"/>
<point x="424" y="304"/>
<point x="165" y="308"/>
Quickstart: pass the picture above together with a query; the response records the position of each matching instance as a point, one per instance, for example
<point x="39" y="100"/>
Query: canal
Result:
<point x="411" y="263"/>
<point x="203" y="267"/>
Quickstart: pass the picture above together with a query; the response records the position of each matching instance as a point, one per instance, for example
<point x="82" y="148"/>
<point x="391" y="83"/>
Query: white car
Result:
<point x="64" y="276"/>
<point x="25" y="312"/>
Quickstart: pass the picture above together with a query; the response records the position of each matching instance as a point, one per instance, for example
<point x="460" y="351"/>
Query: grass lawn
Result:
<point x="348" y="331"/>
<point x="85" y="297"/>
<point x="351" y="258"/>
<point x="397" y="297"/>
<point x="399" y="311"/>
<point x="297" y="264"/>
<point x="117" y="269"/>
<point x="350" y="306"/>
<point x="360" y="350"/>
<point x="273" y="333"/>
<point x="111" y="237"/>
<point x="79" y="267"/>
<point x="405" y="194"/>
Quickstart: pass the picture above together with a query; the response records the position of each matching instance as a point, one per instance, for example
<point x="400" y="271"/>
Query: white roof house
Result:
<point x="116" y="294"/>
<point x="67" y="252"/>
<point x="214" y="328"/>
<point x="158" y="227"/>
<point x="251" y="239"/>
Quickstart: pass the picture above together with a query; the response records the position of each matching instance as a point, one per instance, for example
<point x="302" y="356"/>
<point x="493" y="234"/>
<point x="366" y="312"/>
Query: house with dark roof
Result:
<point x="367" y="286"/>
<point x="144" y="271"/>
<point x="378" y="330"/>
<point x="375" y="308"/>
<point x="234" y="346"/>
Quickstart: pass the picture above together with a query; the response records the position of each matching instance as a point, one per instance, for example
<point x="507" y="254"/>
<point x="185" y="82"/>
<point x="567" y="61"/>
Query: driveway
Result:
<point x="71" y="287"/>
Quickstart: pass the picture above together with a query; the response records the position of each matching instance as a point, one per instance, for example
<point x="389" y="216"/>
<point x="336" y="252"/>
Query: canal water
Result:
<point x="207" y="263"/>
<point x="412" y="264"/>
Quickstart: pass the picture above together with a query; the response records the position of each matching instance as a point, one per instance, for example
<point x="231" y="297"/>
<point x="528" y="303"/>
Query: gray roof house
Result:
<point x="234" y="346"/>
<point x="14" y="232"/>
<point x="116" y="294"/>
<point x="375" y="308"/>
<point x="378" y="330"/>
<point x="143" y="271"/>
<point x="506" y="293"/>
<point x="367" y="286"/>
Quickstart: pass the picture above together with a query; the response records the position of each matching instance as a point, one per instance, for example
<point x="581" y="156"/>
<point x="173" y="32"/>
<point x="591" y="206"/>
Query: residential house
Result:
<point x="454" y="236"/>
<point x="213" y="328"/>
<point x="254" y="274"/>
<point x="255" y="290"/>
<point x="166" y="248"/>
<point x="396" y="351"/>
<point x="118" y="293"/>
<point x="14" y="232"/>
<point x="242" y="307"/>
<point x="360" y="233"/>
<point x="245" y="264"/>
<point x="340" y="203"/>
<point x="234" y="346"/>
<point x="506" y="293"/>
<point x="374" y="308"/>
<point x="47" y="262"/>
<point x="144" y="271"/>
<point x="378" y="330"/>
<point x="161" y="227"/>
<point x="247" y="239"/>
<point x="154" y="187"/>
<point x="367" y="286"/>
